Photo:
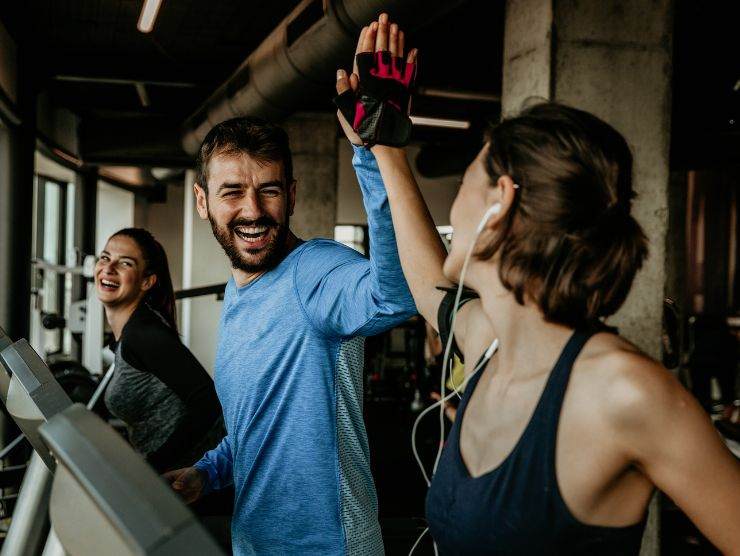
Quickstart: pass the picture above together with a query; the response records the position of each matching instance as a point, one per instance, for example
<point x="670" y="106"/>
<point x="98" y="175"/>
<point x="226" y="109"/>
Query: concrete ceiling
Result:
<point x="88" y="56"/>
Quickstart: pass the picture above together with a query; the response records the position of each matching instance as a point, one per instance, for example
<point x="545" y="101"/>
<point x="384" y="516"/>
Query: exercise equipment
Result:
<point x="84" y="317"/>
<point x="101" y="482"/>
<point x="31" y="396"/>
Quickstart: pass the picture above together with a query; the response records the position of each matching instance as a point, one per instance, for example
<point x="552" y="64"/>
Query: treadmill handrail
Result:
<point x="140" y="505"/>
<point x="22" y="362"/>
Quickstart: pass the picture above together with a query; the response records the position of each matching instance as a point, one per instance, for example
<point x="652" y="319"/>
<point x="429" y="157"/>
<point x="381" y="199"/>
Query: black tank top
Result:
<point x="517" y="508"/>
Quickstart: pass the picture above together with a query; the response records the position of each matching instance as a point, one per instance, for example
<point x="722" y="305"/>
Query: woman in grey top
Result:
<point x="159" y="389"/>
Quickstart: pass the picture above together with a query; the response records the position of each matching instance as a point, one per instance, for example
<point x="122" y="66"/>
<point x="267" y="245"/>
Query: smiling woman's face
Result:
<point x="119" y="273"/>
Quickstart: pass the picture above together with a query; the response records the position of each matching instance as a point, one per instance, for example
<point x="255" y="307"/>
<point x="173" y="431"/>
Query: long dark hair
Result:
<point x="569" y="243"/>
<point x="161" y="297"/>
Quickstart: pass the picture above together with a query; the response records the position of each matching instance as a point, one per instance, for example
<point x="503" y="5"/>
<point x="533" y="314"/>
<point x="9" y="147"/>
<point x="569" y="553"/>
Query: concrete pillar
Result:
<point x="313" y="142"/>
<point x="611" y="58"/>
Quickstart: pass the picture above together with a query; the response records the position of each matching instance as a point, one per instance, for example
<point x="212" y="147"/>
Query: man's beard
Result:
<point x="268" y="257"/>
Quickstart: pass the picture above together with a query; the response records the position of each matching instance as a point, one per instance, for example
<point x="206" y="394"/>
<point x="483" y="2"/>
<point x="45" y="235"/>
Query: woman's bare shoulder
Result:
<point x="627" y="385"/>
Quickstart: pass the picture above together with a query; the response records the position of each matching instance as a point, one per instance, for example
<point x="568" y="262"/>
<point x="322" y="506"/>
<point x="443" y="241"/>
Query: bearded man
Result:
<point x="289" y="364"/>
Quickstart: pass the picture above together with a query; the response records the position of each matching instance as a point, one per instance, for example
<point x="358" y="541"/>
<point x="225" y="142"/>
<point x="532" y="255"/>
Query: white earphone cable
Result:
<point x="444" y="397"/>
<point x="494" y="209"/>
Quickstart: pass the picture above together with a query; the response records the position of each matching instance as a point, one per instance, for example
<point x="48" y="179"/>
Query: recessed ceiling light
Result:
<point x="440" y="122"/>
<point x="148" y="15"/>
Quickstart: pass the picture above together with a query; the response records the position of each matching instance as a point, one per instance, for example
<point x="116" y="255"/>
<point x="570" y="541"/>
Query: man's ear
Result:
<point x="291" y="197"/>
<point x="201" y="201"/>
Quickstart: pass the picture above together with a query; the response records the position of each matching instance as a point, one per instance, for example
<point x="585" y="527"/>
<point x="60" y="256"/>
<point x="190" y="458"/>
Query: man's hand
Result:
<point x="380" y="36"/>
<point x="188" y="482"/>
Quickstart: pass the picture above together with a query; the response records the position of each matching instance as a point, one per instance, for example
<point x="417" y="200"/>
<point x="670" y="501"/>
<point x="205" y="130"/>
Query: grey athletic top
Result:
<point x="163" y="394"/>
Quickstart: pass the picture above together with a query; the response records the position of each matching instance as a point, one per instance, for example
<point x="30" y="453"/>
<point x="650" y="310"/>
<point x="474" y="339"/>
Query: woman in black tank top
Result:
<point x="562" y="437"/>
<point x="490" y="513"/>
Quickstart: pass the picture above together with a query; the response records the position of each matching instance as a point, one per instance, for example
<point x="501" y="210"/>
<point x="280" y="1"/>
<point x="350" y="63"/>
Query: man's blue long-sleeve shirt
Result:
<point x="289" y="375"/>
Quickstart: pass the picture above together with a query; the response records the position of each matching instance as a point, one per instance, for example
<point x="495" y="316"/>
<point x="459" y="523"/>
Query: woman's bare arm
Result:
<point x="419" y="245"/>
<point x="665" y="431"/>
<point x="420" y="248"/>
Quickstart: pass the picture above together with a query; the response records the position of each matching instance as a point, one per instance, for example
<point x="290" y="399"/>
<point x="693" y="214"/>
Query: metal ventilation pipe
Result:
<point x="298" y="59"/>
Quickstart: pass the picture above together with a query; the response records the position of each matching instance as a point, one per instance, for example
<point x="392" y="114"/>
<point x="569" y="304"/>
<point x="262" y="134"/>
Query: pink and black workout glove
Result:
<point x="379" y="111"/>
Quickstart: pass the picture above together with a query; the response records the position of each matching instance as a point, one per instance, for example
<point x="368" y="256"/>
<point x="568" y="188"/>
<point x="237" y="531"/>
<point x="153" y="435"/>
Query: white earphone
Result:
<point x="493" y="209"/>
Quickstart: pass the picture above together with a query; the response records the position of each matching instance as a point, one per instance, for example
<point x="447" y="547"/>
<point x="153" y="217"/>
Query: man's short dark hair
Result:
<point x="255" y="137"/>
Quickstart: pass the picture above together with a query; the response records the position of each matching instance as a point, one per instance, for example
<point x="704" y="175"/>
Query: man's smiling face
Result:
<point x="248" y="205"/>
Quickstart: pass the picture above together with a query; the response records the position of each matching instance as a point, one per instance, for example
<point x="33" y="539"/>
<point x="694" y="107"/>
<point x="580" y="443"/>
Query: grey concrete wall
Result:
<point x="314" y="147"/>
<point x="614" y="60"/>
<point x="611" y="58"/>
<point x="527" y="68"/>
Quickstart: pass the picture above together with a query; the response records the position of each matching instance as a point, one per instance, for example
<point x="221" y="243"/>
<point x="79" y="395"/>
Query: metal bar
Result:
<point x="216" y="289"/>
<point x="92" y="345"/>
<point x="458" y="95"/>
<point x="10" y="447"/>
<point x="30" y="515"/>
<point x="101" y="388"/>
<point x="116" y="81"/>
<point x="11" y="476"/>
<point x="41" y="264"/>
<point x="61" y="255"/>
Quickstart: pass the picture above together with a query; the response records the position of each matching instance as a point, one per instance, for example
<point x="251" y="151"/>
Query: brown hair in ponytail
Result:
<point x="569" y="243"/>
<point x="161" y="297"/>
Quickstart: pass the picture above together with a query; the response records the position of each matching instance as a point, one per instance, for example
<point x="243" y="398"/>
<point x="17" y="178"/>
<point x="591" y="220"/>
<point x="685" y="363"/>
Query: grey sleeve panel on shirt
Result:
<point x="149" y="408"/>
<point x="358" y="501"/>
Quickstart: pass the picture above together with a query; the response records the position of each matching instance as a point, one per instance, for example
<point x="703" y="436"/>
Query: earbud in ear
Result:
<point x="493" y="209"/>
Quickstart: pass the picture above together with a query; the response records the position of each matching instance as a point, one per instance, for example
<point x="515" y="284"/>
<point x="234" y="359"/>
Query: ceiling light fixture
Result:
<point x="440" y="122"/>
<point x="148" y="15"/>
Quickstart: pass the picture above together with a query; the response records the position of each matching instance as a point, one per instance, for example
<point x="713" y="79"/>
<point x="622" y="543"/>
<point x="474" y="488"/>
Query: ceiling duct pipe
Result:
<point x="299" y="59"/>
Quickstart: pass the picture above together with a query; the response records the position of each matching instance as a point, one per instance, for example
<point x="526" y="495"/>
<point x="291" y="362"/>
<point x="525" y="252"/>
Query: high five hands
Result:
<point x="374" y="101"/>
